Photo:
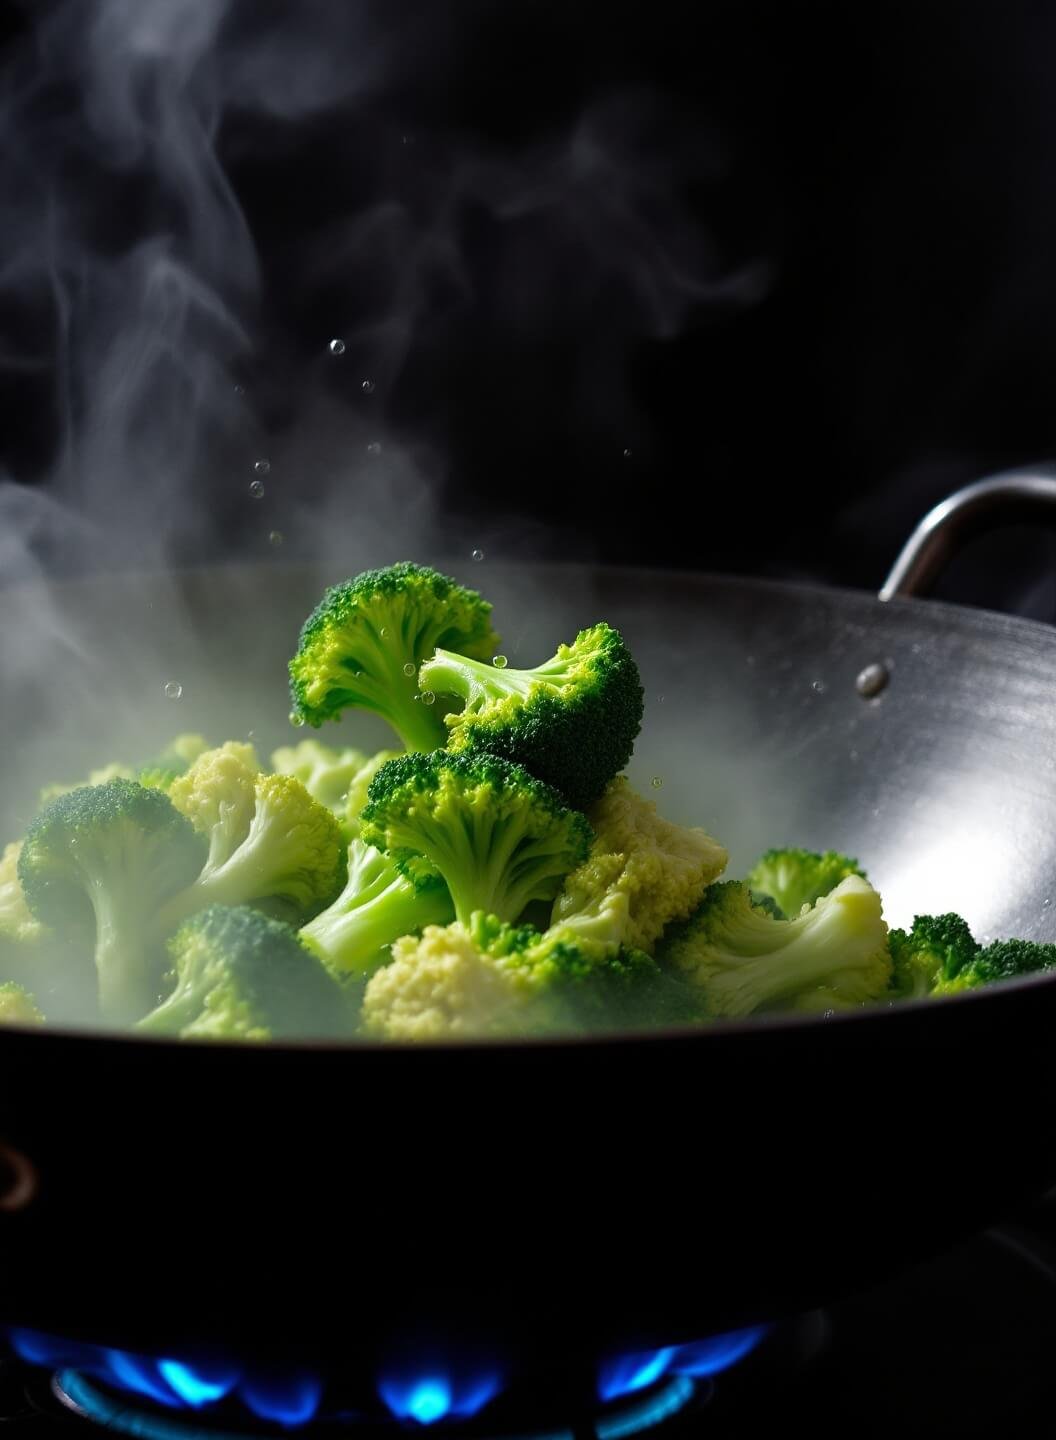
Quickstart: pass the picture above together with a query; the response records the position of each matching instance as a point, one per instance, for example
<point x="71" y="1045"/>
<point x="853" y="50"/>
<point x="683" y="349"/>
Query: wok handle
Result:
<point x="18" y="1179"/>
<point x="1005" y="499"/>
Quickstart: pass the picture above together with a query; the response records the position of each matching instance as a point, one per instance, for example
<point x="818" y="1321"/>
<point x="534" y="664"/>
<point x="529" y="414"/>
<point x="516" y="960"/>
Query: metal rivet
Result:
<point x="872" y="680"/>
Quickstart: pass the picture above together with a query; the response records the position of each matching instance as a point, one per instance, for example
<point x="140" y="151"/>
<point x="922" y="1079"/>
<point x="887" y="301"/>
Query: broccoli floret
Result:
<point x="796" y="878"/>
<point x="292" y="851"/>
<point x="338" y="779"/>
<point x="115" y="770"/>
<point x="180" y="754"/>
<point x="745" y="961"/>
<point x="156" y="774"/>
<point x="17" y="1007"/>
<point x="241" y="976"/>
<point x="500" y="838"/>
<point x="18" y="924"/>
<point x="660" y="868"/>
<point x="378" y="905"/>
<point x="1003" y="960"/>
<point x="362" y="646"/>
<point x="938" y="947"/>
<point x="109" y="857"/>
<point x="572" y="721"/>
<point x="218" y="794"/>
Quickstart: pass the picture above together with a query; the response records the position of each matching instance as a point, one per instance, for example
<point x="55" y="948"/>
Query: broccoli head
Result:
<point x="938" y="947"/>
<point x="104" y="859"/>
<point x="18" y="924"/>
<point x="362" y="645"/>
<point x="17" y="1007"/>
<point x="499" y="838"/>
<point x="1003" y="960"/>
<point x="378" y="905"/>
<point x="661" y="869"/>
<point x="338" y="779"/>
<point x="572" y="720"/>
<point x="744" y="960"/>
<point x="241" y="976"/>
<point x="218" y="796"/>
<point x="291" y="854"/>
<point x="795" y="878"/>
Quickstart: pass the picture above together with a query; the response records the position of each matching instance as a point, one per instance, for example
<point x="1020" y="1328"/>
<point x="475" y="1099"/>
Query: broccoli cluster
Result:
<point x="495" y="875"/>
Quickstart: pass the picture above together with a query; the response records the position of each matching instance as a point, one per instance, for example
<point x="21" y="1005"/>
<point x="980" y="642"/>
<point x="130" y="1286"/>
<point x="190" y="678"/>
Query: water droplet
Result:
<point x="275" y="538"/>
<point x="296" y="720"/>
<point x="406" y="139"/>
<point x="628" y="453"/>
<point x="660" y="699"/>
<point x="256" y="489"/>
<point x="367" y="386"/>
<point x="173" y="690"/>
<point x="337" y="347"/>
<point x="657" y="781"/>
<point x="872" y="680"/>
<point x="262" y="467"/>
<point x="374" y="448"/>
<point x="478" y="556"/>
<point x="818" y="686"/>
<point x="408" y="669"/>
<point x="427" y="697"/>
<point x="384" y="632"/>
<point x="240" y="389"/>
<point x="1046" y="902"/>
<point x="251" y="734"/>
<point x="499" y="661"/>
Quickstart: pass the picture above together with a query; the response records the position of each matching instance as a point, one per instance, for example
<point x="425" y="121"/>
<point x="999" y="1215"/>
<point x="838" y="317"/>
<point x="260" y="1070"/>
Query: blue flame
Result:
<point x="290" y="1401"/>
<point x="427" y="1396"/>
<point x="624" y="1374"/>
<point x="195" y="1388"/>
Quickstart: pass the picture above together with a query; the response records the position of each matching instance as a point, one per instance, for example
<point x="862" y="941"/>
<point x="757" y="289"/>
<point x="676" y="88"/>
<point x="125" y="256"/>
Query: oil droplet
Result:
<point x="262" y="467"/>
<point x="408" y="669"/>
<point x="296" y="720"/>
<point x="478" y="556"/>
<point x="256" y="489"/>
<point x="337" y="347"/>
<point x="427" y="697"/>
<point x="818" y="686"/>
<point x="374" y="448"/>
<point x="367" y="386"/>
<point x="173" y="690"/>
<point x="275" y="538"/>
<point x="499" y="661"/>
<point x="628" y="453"/>
<point x="657" y="781"/>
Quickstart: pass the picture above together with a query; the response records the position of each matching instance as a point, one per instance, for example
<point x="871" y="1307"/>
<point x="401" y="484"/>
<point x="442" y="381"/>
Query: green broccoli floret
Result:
<point x="362" y="646"/>
<point x="17" y="1007"/>
<point x="115" y="770"/>
<point x="745" y="961"/>
<point x="1003" y="960"/>
<point x="156" y="774"/>
<point x="109" y="857"/>
<point x="571" y="721"/>
<point x="241" y="976"/>
<point x="378" y="905"/>
<point x="938" y="947"/>
<point x="499" y="838"/>
<point x="794" y="878"/>
<point x="290" y="852"/>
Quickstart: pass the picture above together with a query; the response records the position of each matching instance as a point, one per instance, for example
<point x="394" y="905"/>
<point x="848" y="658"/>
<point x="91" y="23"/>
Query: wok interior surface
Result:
<point x="629" y="1190"/>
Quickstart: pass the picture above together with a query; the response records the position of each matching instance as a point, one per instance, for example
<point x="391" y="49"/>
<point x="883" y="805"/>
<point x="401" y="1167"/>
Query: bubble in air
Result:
<point x="657" y="781"/>
<point x="818" y="686"/>
<point x="275" y="538"/>
<point x="262" y="467"/>
<point x="367" y="386"/>
<point x="499" y="661"/>
<point x="659" y="699"/>
<point x="240" y="389"/>
<point x="173" y="690"/>
<point x="374" y="448"/>
<point x="871" y="680"/>
<point x="296" y="720"/>
<point x="477" y="556"/>
<point x="337" y="346"/>
<point x="408" y="669"/>
<point x="256" y="489"/>
<point x="628" y="453"/>
<point x="427" y="697"/>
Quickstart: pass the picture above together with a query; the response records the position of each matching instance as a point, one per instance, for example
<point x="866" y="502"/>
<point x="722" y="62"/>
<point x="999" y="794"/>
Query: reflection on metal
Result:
<point x="18" y="1179"/>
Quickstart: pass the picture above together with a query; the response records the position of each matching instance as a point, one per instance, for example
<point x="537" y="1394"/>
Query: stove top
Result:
<point x="963" y="1345"/>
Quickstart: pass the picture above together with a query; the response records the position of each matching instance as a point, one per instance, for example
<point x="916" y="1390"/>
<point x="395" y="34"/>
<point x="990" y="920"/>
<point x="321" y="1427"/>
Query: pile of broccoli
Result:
<point x="494" y="873"/>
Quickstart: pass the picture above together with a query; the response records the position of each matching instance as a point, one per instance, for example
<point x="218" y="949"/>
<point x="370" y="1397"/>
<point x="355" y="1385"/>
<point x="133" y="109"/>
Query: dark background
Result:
<point x="857" y="205"/>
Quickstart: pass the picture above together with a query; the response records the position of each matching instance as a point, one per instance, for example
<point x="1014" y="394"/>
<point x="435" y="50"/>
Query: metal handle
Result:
<point x="18" y="1179"/>
<point x="1001" y="500"/>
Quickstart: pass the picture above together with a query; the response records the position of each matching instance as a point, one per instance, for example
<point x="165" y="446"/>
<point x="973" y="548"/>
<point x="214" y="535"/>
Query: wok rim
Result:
<point x="639" y="1037"/>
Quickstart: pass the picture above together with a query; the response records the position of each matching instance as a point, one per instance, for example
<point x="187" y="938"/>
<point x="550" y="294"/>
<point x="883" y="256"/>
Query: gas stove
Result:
<point x="962" y="1345"/>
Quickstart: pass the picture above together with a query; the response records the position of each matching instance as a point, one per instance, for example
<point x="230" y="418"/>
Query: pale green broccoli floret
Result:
<point x="499" y="838"/>
<point x="17" y="1007"/>
<point x="102" y="861"/>
<point x="241" y="976"/>
<point x="378" y="905"/>
<point x="218" y="794"/>
<point x="157" y="773"/>
<point x="18" y="924"/>
<point x="572" y="721"/>
<point x="743" y="960"/>
<point x="362" y="645"/>
<point x="338" y="779"/>
<point x="100" y="776"/>
<point x="661" y="869"/>
<point x="794" y="878"/>
<point x="292" y="852"/>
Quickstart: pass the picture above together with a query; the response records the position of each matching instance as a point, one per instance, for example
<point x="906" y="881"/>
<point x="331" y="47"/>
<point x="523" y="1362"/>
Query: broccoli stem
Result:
<point x="123" y="973"/>
<point x="352" y="938"/>
<point x="383" y="687"/>
<point x="174" y="1013"/>
<point x="478" y="681"/>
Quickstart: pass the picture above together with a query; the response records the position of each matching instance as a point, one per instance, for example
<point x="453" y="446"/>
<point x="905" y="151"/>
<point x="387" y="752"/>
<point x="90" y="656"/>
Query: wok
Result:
<point x="619" y="1190"/>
